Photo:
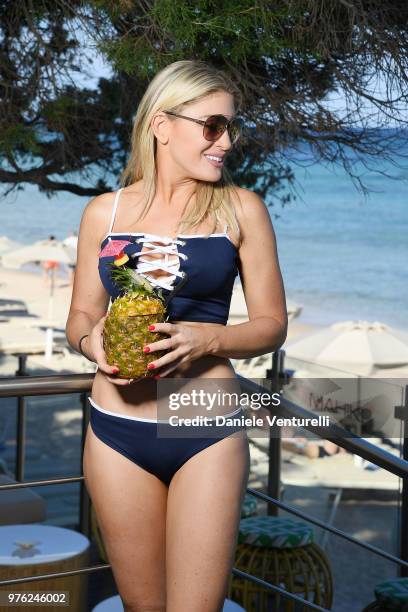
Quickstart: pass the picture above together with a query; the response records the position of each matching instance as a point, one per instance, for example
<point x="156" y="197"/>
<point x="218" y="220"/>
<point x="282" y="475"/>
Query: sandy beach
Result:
<point x="31" y="289"/>
<point x="24" y="318"/>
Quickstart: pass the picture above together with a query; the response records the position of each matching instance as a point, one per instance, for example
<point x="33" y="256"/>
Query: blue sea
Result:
<point x="343" y="255"/>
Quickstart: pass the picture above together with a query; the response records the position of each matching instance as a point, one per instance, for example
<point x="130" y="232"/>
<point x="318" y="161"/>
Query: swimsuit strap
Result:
<point x="225" y="228"/>
<point x="115" y="206"/>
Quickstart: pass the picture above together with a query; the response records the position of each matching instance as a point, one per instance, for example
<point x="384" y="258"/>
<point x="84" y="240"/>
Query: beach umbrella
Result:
<point x="359" y="347"/>
<point x="399" y="374"/>
<point x="38" y="252"/>
<point x="371" y="357"/>
<point x="7" y="245"/>
<point x="42" y="250"/>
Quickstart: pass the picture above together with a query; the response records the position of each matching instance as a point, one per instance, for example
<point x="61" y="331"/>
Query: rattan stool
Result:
<point x="390" y="595"/>
<point x="280" y="551"/>
<point x="249" y="506"/>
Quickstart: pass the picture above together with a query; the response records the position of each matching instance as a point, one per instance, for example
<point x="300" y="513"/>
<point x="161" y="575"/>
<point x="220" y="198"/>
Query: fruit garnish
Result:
<point x="121" y="259"/>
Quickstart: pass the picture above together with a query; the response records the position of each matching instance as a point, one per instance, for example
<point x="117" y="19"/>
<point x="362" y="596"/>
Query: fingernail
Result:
<point x="115" y="370"/>
<point x="157" y="376"/>
<point x="146" y="349"/>
<point x="151" y="366"/>
<point x="151" y="327"/>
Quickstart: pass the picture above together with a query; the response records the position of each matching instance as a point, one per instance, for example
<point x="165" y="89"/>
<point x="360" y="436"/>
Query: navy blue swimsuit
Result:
<point x="211" y="265"/>
<point x="158" y="447"/>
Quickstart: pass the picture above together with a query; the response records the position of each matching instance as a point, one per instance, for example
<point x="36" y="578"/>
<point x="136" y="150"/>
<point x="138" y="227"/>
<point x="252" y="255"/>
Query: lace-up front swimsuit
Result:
<point x="211" y="267"/>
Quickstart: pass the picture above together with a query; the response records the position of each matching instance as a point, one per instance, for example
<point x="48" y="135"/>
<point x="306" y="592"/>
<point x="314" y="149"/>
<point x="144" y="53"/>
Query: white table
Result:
<point x="35" y="549"/>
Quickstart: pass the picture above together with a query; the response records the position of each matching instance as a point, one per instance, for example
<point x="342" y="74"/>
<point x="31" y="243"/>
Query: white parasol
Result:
<point x="7" y="245"/>
<point x="359" y="347"/>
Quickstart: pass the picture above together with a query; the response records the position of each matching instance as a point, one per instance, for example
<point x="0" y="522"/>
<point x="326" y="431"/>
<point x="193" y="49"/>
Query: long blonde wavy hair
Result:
<point x="175" y="86"/>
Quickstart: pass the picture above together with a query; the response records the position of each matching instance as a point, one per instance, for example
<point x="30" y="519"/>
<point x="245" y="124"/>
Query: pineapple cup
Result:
<point x="124" y="337"/>
<point x="126" y="331"/>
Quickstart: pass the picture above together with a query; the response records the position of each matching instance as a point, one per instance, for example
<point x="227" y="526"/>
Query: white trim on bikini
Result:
<point x="123" y="416"/>
<point x="218" y="235"/>
<point x="115" y="207"/>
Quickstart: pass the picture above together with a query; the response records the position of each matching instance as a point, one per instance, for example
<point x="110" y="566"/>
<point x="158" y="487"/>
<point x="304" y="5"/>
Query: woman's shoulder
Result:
<point x="97" y="214"/>
<point x="250" y="209"/>
<point x="99" y="204"/>
<point x="248" y="199"/>
<point x="102" y="201"/>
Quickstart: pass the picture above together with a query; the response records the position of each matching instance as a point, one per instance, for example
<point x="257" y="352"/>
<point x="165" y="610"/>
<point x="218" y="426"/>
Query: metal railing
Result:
<point x="21" y="386"/>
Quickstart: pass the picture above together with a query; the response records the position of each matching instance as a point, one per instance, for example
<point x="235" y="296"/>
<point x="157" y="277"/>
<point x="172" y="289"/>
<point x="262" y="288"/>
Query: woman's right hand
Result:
<point x="94" y="347"/>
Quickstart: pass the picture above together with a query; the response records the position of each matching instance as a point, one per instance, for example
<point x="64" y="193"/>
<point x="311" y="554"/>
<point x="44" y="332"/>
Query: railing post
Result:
<point x="404" y="496"/>
<point x="84" y="504"/>
<point x="20" y="425"/>
<point x="275" y="446"/>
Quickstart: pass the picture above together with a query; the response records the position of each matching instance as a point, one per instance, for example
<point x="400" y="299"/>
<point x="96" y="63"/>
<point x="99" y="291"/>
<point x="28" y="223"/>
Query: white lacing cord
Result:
<point x="144" y="266"/>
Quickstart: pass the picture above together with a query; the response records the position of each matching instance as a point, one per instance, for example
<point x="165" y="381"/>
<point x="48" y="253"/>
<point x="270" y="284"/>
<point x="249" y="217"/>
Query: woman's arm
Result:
<point x="89" y="300"/>
<point x="263" y="288"/>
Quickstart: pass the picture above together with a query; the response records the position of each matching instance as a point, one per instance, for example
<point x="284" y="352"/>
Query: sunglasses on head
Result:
<point x="215" y="125"/>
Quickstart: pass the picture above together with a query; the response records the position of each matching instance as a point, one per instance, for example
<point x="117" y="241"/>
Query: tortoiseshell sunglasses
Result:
<point x="215" y="126"/>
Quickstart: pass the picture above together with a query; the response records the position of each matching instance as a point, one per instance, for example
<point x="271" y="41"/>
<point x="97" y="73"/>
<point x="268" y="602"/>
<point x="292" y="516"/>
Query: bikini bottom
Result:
<point x="138" y="439"/>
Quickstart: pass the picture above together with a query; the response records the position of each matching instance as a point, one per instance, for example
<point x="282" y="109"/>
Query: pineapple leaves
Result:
<point x="131" y="281"/>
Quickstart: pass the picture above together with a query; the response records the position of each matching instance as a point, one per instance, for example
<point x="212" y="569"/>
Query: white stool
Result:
<point x="34" y="549"/>
<point x="114" y="604"/>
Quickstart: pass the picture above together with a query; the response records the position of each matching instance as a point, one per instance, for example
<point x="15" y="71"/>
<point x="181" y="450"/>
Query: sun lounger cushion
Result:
<point x="249" y="506"/>
<point x="392" y="593"/>
<point x="274" y="532"/>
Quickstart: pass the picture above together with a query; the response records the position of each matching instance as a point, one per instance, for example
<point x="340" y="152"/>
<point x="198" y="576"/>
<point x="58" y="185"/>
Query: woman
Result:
<point x="169" y="514"/>
<point x="71" y="241"/>
<point x="49" y="267"/>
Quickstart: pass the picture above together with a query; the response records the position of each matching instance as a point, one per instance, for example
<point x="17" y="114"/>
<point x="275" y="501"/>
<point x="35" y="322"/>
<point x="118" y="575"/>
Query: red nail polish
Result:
<point x="115" y="370"/>
<point x="146" y="349"/>
<point x="151" y="327"/>
<point x="157" y="376"/>
<point x="151" y="366"/>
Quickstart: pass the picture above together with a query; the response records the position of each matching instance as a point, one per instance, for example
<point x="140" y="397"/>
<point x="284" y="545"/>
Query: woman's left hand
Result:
<point x="186" y="343"/>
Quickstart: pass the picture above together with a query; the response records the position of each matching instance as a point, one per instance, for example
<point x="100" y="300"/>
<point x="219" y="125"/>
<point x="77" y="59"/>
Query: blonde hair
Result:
<point x="175" y="86"/>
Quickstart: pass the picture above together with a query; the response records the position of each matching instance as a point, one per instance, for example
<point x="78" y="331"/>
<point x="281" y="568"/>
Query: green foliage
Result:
<point x="287" y="57"/>
<point x="19" y="136"/>
<point x="131" y="281"/>
<point x="233" y="30"/>
<point x="58" y="114"/>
